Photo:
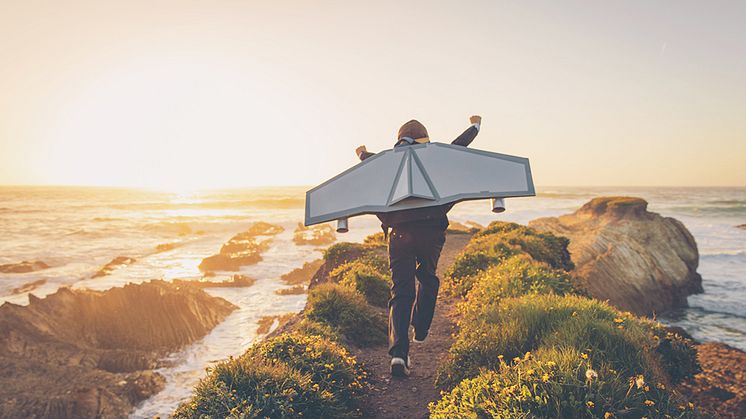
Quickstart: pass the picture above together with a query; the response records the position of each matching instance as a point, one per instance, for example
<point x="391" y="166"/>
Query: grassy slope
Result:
<point x="530" y="343"/>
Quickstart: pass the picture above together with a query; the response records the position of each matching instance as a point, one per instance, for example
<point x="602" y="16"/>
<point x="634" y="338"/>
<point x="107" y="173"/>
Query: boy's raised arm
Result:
<point x="468" y="136"/>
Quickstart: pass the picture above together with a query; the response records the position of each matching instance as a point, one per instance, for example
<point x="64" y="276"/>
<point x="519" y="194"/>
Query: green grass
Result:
<point x="346" y="311"/>
<point x="372" y="284"/>
<point x="559" y="383"/>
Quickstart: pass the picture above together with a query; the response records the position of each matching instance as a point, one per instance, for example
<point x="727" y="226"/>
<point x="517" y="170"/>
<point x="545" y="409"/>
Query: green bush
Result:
<point x="543" y="247"/>
<point x="519" y="325"/>
<point x="329" y="365"/>
<point x="517" y="276"/>
<point x="366" y="280"/>
<point x="558" y="383"/>
<point x="346" y="311"/>
<point x="461" y="274"/>
<point x="248" y="387"/>
<point x="342" y="253"/>
<point x="376" y="239"/>
<point x="313" y="328"/>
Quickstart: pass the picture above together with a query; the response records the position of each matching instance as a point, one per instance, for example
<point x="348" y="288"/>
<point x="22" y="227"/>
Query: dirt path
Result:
<point x="408" y="397"/>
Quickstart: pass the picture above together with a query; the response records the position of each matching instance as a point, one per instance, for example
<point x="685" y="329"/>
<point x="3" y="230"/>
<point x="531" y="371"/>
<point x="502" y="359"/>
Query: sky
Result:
<point x="197" y="94"/>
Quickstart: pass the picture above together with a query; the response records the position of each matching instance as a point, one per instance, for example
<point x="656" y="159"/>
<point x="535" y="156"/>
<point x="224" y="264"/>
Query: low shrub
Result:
<point x="314" y="328"/>
<point x="376" y="239"/>
<point x="517" y="276"/>
<point x="255" y="387"/>
<point x="342" y="253"/>
<point x="559" y="383"/>
<point x="543" y="247"/>
<point x="346" y="311"/>
<point x="519" y="325"/>
<point x="329" y="365"/>
<point x="462" y="273"/>
<point x="365" y="279"/>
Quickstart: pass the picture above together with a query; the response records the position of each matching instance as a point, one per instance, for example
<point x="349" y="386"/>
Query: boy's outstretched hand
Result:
<point x="475" y="119"/>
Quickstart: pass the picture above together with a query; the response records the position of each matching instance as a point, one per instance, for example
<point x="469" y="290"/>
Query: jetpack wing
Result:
<point x="418" y="176"/>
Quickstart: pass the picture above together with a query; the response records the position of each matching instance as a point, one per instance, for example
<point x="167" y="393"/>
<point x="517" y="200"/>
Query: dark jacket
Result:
<point x="422" y="217"/>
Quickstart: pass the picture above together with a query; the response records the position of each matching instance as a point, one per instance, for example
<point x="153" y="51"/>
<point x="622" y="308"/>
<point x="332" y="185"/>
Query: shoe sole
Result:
<point x="399" y="370"/>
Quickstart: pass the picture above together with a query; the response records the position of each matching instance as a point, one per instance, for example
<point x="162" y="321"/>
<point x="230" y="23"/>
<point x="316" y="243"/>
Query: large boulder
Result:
<point x="86" y="354"/>
<point x="638" y="260"/>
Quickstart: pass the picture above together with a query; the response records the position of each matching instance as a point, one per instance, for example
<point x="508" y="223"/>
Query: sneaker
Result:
<point x="419" y="339"/>
<point x="399" y="368"/>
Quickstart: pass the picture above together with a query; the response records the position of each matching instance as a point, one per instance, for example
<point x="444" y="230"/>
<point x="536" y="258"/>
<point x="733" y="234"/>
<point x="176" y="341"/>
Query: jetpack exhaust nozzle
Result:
<point x="498" y="205"/>
<point x="342" y="225"/>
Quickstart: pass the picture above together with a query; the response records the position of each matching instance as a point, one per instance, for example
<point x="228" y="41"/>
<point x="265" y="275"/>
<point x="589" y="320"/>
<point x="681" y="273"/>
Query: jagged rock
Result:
<point x="303" y="274"/>
<point x="742" y="226"/>
<point x="638" y="260"/>
<point x="29" y="286"/>
<point x="235" y="281"/>
<point x="115" y="263"/>
<point x="317" y="235"/>
<point x="23" y="267"/>
<point x="66" y="355"/>
<point x="242" y="249"/>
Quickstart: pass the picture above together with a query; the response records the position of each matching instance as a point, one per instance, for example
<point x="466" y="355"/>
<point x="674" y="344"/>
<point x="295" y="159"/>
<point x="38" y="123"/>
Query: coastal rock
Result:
<point x="638" y="260"/>
<point x="242" y="249"/>
<point x="23" y="267"/>
<point x="234" y="282"/>
<point x="81" y="353"/>
<point x="116" y="263"/>
<point x="742" y="226"/>
<point x="318" y="235"/>
<point x="29" y="286"/>
<point x="303" y="274"/>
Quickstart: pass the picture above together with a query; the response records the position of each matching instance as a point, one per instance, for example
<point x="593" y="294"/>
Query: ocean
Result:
<point x="77" y="230"/>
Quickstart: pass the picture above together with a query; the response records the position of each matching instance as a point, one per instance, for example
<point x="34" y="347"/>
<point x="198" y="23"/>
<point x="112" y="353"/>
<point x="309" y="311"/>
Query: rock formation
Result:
<point x="317" y="235"/>
<point x="116" y="263"/>
<point x="23" y="267"/>
<point x="242" y="249"/>
<point x="742" y="226"/>
<point x="80" y="354"/>
<point x="638" y="260"/>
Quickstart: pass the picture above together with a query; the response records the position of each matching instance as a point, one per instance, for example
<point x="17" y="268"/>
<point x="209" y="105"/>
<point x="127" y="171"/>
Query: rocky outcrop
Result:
<point x="242" y="249"/>
<point x="318" y="235"/>
<point x="28" y="287"/>
<point x="742" y="226"/>
<point x="80" y="354"/>
<point x="23" y="267"/>
<point x="114" y="264"/>
<point x="638" y="260"/>
<point x="303" y="274"/>
<point x="234" y="282"/>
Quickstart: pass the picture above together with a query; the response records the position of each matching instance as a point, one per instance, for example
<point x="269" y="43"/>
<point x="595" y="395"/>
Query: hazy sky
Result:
<point x="241" y="93"/>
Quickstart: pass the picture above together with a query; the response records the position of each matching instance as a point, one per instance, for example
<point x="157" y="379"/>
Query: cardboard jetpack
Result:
<point x="418" y="176"/>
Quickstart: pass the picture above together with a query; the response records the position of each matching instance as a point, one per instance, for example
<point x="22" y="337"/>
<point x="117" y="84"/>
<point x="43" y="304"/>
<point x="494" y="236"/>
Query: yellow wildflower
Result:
<point x="640" y="381"/>
<point x="590" y="404"/>
<point x="527" y="356"/>
<point x="660" y="386"/>
<point x="608" y="415"/>
<point x="591" y="374"/>
<point x="545" y="377"/>
<point x="618" y="320"/>
<point x="584" y="355"/>
<point x="649" y="403"/>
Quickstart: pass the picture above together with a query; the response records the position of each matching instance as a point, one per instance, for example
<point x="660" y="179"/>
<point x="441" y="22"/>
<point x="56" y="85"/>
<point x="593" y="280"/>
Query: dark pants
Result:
<point x="413" y="252"/>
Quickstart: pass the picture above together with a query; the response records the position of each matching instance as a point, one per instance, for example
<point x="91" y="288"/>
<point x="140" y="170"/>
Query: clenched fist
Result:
<point x="475" y="119"/>
<point x="360" y="150"/>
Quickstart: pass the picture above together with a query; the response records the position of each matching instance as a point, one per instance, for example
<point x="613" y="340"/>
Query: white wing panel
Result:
<point x="455" y="173"/>
<point x="363" y="185"/>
